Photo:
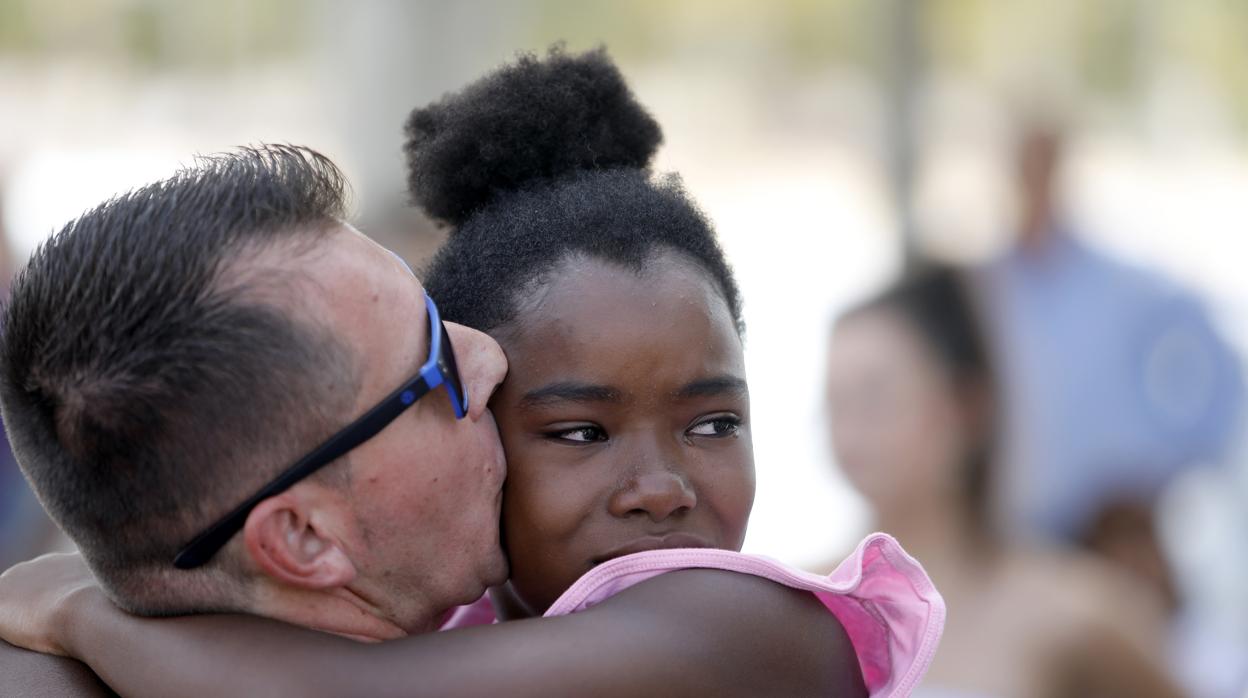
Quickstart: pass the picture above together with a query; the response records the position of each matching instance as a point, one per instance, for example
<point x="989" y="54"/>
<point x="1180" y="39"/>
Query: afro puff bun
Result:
<point x="536" y="119"/>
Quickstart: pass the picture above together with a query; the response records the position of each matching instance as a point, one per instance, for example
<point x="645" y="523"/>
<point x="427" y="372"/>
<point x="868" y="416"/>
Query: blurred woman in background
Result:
<point x="914" y="424"/>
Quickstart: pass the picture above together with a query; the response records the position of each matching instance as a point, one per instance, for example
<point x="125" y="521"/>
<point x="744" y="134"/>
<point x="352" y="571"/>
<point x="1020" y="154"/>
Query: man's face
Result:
<point x="426" y="491"/>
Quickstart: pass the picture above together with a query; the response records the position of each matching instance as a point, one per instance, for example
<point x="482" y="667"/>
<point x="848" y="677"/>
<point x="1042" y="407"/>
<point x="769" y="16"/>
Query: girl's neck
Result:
<point x="508" y="605"/>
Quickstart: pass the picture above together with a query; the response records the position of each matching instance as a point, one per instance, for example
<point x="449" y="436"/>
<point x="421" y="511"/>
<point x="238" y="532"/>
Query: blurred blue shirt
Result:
<point x="25" y="530"/>
<point x="1112" y="380"/>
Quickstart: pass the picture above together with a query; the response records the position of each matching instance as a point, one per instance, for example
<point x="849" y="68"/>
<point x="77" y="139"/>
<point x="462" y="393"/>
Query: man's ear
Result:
<point x="286" y="537"/>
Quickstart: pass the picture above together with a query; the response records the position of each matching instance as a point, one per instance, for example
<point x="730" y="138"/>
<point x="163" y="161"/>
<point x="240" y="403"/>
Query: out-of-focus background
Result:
<point x="834" y="144"/>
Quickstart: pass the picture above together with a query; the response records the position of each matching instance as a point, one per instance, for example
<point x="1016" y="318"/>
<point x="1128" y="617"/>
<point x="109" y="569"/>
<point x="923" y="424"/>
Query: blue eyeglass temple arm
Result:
<point x="431" y="375"/>
<point x="441" y="367"/>
<point x="206" y="544"/>
<point x="433" y="369"/>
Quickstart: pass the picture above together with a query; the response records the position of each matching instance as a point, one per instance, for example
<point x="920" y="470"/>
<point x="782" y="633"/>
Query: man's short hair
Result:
<point x="151" y="379"/>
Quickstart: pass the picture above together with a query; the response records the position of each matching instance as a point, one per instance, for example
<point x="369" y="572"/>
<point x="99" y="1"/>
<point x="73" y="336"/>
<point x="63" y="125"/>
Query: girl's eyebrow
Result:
<point x="569" y="391"/>
<point x="711" y="387"/>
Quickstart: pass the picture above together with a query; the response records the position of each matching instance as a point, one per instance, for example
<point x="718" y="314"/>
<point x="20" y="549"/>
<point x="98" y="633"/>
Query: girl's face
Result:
<point x="625" y="420"/>
<point x="898" y="428"/>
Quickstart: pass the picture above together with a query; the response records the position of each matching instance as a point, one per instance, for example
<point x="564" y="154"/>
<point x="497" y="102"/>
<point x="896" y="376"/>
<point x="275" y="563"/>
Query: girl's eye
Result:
<point x="720" y="426"/>
<point x="582" y="434"/>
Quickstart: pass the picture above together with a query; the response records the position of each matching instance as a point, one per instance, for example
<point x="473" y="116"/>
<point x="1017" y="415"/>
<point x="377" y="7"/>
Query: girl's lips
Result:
<point x="662" y="542"/>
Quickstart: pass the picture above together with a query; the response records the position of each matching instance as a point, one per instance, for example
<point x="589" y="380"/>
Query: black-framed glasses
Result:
<point x="440" y="369"/>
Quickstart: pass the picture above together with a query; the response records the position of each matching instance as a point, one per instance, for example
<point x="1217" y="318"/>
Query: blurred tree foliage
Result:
<point x="156" y="34"/>
<point x="1109" y="48"/>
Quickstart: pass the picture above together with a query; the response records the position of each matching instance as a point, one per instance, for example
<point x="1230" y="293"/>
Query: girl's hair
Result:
<point x="539" y="161"/>
<point x="935" y="302"/>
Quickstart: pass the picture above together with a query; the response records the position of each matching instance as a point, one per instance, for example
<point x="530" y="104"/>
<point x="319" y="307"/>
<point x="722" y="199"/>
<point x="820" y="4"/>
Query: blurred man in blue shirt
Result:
<point x="1114" y="377"/>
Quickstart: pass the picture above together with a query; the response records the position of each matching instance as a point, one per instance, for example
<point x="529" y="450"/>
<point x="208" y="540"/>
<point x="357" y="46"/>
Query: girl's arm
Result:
<point x="34" y="675"/>
<point x="694" y="632"/>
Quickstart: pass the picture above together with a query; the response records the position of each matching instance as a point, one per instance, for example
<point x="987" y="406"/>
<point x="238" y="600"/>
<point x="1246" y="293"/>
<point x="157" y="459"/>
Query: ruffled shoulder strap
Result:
<point x="889" y="608"/>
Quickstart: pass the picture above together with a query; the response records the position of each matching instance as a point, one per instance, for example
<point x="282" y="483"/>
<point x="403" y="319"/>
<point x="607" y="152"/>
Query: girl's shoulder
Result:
<point x="889" y="609"/>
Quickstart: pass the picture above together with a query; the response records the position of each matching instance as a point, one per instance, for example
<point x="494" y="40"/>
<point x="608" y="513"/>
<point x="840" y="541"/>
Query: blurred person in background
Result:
<point x="25" y="530"/>
<point x="1113" y="379"/>
<point x="914" y="424"/>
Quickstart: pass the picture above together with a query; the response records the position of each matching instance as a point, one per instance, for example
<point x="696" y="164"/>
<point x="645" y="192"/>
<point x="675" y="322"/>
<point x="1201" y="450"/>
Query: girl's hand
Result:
<point x="37" y="599"/>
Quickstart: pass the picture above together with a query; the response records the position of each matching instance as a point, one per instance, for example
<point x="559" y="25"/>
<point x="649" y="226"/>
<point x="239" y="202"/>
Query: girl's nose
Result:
<point x="657" y="494"/>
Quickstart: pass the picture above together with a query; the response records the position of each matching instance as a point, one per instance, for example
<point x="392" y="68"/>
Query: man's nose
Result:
<point x="482" y="365"/>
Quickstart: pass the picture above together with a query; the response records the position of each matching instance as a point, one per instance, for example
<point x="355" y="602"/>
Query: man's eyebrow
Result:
<point x="569" y="391"/>
<point x="426" y="330"/>
<point x="711" y="387"/>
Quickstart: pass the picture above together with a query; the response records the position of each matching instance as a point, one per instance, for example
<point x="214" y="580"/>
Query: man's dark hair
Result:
<point x="539" y="161"/>
<point x="151" y="380"/>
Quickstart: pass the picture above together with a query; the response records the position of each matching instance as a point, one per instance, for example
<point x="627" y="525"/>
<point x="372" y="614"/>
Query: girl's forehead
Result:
<point x="592" y="298"/>
<point x="595" y="318"/>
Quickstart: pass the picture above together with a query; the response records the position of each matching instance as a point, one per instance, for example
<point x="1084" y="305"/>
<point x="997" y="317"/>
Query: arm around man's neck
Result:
<point x="692" y="632"/>
<point x="26" y="673"/>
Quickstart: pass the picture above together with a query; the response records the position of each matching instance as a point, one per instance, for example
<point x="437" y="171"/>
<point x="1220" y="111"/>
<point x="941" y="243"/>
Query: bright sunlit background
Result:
<point x="820" y="136"/>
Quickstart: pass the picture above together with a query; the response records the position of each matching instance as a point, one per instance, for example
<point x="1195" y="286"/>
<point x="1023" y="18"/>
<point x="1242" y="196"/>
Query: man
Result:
<point x="1115" y="378"/>
<point x="169" y="357"/>
<point x="174" y="350"/>
<point x="1116" y="382"/>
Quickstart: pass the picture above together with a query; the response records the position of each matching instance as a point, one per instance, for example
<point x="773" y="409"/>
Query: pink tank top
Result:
<point x="891" y="612"/>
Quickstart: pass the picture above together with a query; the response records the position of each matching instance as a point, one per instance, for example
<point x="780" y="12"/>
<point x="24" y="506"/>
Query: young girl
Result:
<point x="625" y="420"/>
